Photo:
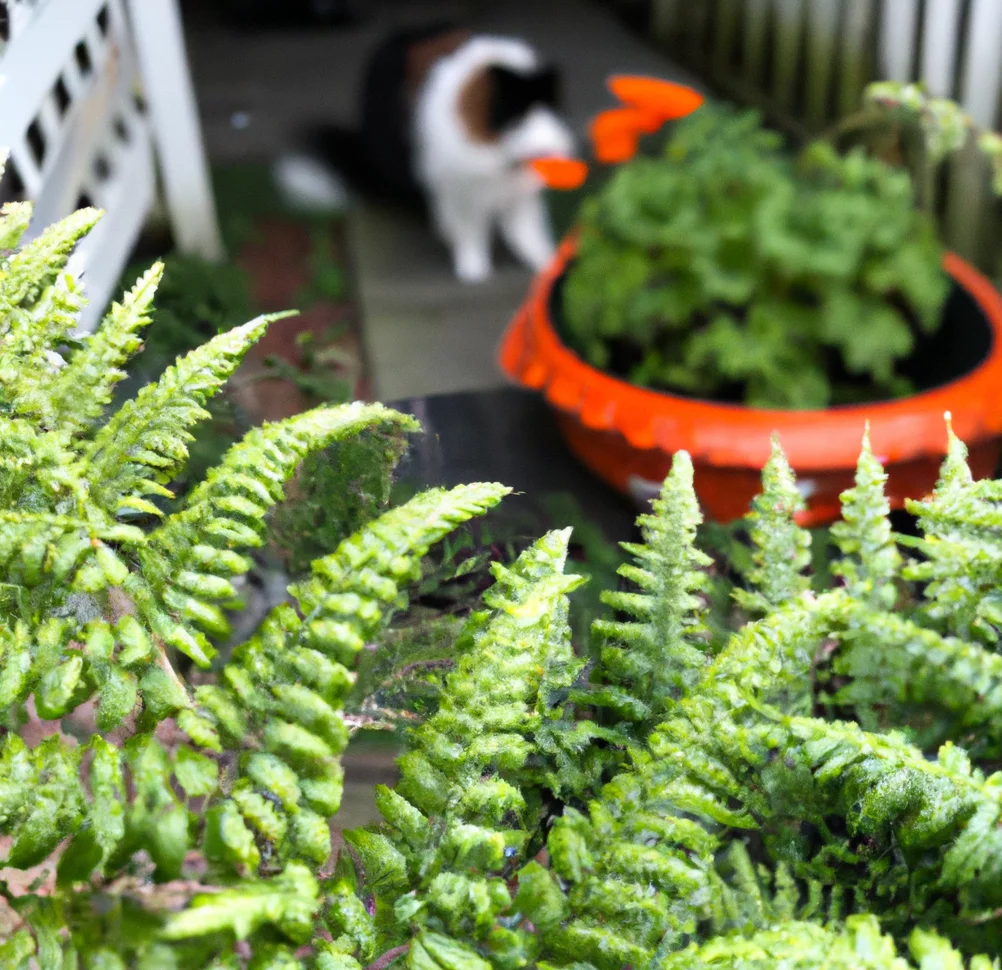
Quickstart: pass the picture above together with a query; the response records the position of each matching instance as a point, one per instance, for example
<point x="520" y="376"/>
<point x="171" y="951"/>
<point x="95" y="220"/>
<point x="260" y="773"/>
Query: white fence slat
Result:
<point x="102" y="256"/>
<point x="899" y="19"/>
<point x="939" y="45"/>
<point x="982" y="72"/>
<point x="83" y="134"/>
<point x="35" y="57"/>
<point x="171" y="97"/>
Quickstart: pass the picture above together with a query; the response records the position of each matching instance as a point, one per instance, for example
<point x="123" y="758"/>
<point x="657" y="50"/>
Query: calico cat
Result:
<point x="453" y="119"/>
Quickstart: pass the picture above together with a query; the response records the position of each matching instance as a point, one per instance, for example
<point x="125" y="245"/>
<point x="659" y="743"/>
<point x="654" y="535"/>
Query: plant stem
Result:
<point x="380" y="963"/>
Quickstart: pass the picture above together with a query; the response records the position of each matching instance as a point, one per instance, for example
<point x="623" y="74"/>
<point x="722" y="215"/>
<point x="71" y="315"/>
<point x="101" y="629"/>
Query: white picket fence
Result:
<point x="807" y="62"/>
<point x="93" y="93"/>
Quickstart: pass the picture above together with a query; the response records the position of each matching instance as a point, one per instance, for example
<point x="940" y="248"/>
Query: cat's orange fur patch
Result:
<point x="474" y="107"/>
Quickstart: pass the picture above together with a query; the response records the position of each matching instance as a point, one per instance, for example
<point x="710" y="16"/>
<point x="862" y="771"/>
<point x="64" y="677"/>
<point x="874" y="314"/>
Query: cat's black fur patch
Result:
<point x="377" y="156"/>
<point x="514" y="94"/>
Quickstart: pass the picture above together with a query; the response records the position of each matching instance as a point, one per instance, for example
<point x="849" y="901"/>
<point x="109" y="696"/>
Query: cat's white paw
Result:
<point x="472" y="267"/>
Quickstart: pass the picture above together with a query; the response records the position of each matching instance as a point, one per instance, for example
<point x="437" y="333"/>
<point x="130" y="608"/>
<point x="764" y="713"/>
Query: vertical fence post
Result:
<point x="822" y="42"/>
<point x="756" y="42"/>
<point x="898" y="24"/>
<point x="789" y="33"/>
<point x="664" y="20"/>
<point x="859" y="17"/>
<point x="171" y="97"/>
<point x="939" y="46"/>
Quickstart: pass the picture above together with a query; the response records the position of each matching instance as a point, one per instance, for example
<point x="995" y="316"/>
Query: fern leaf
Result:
<point x="961" y="550"/>
<point x="457" y="818"/>
<point x="28" y="273"/>
<point x="191" y="559"/>
<point x="870" y="559"/>
<point x="144" y="444"/>
<point x="28" y="361"/>
<point x="287" y="902"/>
<point x="286" y="686"/>
<point x="781" y="547"/>
<point x="658" y="653"/>
<point x="15" y="217"/>
<point x="83" y="388"/>
<point x="858" y="945"/>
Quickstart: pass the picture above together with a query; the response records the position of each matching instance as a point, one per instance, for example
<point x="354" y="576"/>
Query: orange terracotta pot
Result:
<point x="627" y="434"/>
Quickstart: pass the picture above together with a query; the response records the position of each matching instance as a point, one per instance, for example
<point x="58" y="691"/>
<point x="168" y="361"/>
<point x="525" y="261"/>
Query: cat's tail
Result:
<point x="332" y="169"/>
<point x="325" y="174"/>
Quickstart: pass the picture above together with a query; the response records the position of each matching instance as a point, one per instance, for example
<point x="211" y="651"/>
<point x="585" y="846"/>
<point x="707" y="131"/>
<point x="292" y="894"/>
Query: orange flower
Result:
<point x="615" y="134"/>
<point x="560" y="173"/>
<point x="662" y="99"/>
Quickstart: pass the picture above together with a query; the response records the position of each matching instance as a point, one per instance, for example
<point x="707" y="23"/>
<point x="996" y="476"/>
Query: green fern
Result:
<point x="816" y="787"/>
<point x="652" y="657"/>
<point x="781" y="547"/>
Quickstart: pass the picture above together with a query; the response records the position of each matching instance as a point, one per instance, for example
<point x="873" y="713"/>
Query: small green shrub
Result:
<point x="816" y="787"/>
<point x="727" y="269"/>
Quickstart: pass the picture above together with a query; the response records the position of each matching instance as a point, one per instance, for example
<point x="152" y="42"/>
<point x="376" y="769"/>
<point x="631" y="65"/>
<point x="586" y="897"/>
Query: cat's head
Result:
<point x="518" y="111"/>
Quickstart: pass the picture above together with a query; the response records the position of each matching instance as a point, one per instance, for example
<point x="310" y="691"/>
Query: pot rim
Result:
<point x="733" y="435"/>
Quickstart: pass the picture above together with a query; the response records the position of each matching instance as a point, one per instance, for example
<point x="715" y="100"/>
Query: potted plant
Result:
<point x="806" y="784"/>
<point x="728" y="290"/>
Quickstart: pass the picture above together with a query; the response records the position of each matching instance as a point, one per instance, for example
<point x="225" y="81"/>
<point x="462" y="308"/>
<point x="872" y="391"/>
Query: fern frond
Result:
<point x="859" y="944"/>
<point x="144" y="444"/>
<point x="917" y="830"/>
<point x="781" y="549"/>
<point x="961" y="549"/>
<point x="191" y="560"/>
<point x="656" y="655"/>
<point x="83" y="388"/>
<point x="38" y="470"/>
<point x="771" y="659"/>
<point x="898" y="667"/>
<point x="286" y="686"/>
<point x="465" y="809"/>
<point x="28" y="362"/>
<point x="287" y="901"/>
<point x="870" y="561"/>
<point x="15" y="217"/>
<point x="635" y="871"/>
<point x="28" y="273"/>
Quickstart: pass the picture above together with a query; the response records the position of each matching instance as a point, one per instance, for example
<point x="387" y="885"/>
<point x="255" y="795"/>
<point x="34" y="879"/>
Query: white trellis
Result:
<point x="91" y="93"/>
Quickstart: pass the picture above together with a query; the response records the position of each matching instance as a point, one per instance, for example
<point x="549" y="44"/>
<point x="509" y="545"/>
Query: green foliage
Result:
<point x="109" y="581"/>
<point x="655" y="656"/>
<point x="817" y="786"/>
<point x="727" y="269"/>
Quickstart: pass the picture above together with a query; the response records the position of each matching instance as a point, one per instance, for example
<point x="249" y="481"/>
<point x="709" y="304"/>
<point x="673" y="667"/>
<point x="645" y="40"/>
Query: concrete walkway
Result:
<point x="425" y="332"/>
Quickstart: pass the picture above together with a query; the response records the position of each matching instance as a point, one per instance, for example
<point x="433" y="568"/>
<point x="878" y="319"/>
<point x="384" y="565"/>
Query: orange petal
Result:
<point x="613" y="151"/>
<point x="560" y="173"/>
<point x="633" y="121"/>
<point x="615" y="134"/>
<point x="663" y="98"/>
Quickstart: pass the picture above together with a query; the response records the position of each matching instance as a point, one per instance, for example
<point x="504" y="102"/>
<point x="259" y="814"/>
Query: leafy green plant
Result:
<point x="907" y="124"/>
<point x="816" y="788"/>
<point x="728" y="269"/>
